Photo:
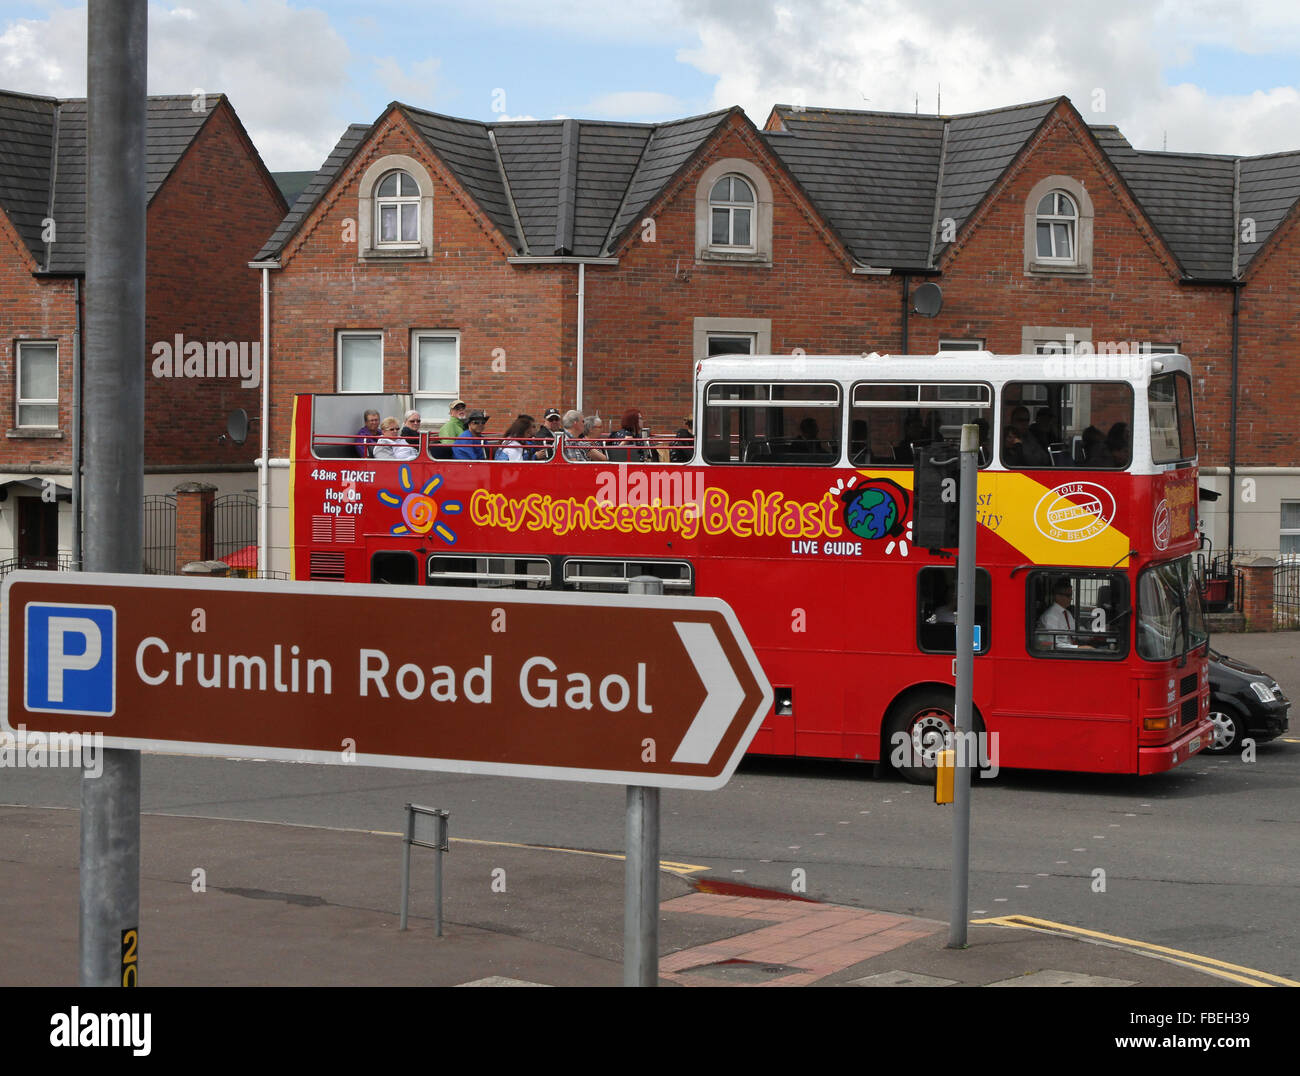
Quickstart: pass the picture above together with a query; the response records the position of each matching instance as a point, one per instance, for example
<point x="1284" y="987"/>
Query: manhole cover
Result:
<point x="743" y="971"/>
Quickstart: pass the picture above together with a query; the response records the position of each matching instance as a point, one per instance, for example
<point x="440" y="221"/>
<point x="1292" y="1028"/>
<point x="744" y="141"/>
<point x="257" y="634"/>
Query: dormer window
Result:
<point x="397" y="210"/>
<point x="1056" y="228"/>
<point x="731" y="214"/>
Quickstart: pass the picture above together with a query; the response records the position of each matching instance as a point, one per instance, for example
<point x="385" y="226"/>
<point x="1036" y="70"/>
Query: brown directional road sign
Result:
<point x="585" y="687"/>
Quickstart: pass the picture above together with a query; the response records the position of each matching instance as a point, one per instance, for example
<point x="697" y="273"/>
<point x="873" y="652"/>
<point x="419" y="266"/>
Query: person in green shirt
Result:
<point x="454" y="426"/>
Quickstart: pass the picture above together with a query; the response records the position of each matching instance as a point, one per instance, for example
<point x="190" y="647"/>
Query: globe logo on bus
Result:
<point x="875" y="510"/>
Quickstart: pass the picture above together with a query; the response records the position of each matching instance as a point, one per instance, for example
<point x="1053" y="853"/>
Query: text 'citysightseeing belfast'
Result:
<point x="757" y="515"/>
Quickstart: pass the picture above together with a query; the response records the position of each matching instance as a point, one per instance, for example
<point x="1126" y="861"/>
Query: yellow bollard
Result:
<point x="945" y="778"/>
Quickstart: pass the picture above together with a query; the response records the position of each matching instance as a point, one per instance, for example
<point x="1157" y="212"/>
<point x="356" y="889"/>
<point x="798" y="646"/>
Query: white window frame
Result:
<point x="759" y="252"/>
<point x="961" y="345"/>
<point x="398" y="201"/>
<point x="21" y="401"/>
<point x="1287" y="532"/>
<point x="429" y="402"/>
<point x="344" y="334"/>
<point x="732" y="207"/>
<point x="757" y="329"/>
<point x="368" y="245"/>
<point x="1068" y="221"/>
<point x="1080" y="264"/>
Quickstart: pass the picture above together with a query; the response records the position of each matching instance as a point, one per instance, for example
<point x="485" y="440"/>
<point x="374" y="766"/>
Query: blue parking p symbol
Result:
<point x="70" y="659"/>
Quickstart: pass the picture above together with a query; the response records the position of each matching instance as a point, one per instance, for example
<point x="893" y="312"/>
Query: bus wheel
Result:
<point x="922" y="727"/>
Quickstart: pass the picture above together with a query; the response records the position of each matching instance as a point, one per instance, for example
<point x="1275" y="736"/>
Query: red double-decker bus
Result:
<point x="794" y="504"/>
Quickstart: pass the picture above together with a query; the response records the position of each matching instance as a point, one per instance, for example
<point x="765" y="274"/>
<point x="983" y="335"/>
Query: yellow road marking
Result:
<point x="1179" y="956"/>
<point x="664" y="864"/>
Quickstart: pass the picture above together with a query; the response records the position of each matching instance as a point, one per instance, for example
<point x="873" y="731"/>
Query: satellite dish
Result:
<point x="237" y="425"/>
<point x="927" y="300"/>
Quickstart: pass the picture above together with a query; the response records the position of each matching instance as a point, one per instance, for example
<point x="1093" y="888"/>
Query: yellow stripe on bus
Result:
<point x="1070" y="523"/>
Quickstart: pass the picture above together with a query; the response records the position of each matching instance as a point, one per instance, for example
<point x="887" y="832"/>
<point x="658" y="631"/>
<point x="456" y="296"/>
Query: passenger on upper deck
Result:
<point x="469" y="445"/>
<point x="392" y="446"/>
<point x="633" y="445"/>
<point x="454" y="426"/>
<point x="368" y="434"/>
<point x="411" y="429"/>
<point x="914" y="435"/>
<point x="575" y="428"/>
<point x="1117" y="441"/>
<point x="684" y="449"/>
<point x="512" y="447"/>
<point x="1020" y="448"/>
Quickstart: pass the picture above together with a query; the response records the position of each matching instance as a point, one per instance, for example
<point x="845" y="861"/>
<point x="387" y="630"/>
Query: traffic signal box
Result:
<point x="936" y="486"/>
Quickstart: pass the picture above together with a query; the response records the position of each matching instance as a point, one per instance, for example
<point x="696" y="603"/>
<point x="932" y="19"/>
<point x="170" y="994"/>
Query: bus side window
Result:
<point x="401" y="569"/>
<point x="936" y="610"/>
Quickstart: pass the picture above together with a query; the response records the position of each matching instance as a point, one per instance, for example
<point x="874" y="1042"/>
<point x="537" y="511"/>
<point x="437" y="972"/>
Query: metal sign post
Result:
<point x="426" y="827"/>
<point x="967" y="753"/>
<point x="114" y="487"/>
<point x="641" y="878"/>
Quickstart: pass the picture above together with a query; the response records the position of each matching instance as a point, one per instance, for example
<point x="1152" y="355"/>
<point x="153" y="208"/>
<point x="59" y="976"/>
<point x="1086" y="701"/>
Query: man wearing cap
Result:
<point x="547" y="435"/>
<point x="454" y="426"/>
<point x="469" y="445"/>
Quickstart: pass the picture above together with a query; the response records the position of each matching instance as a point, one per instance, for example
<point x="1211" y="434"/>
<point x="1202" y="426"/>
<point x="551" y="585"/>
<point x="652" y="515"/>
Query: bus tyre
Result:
<point x="923" y="725"/>
<point x="1229" y="731"/>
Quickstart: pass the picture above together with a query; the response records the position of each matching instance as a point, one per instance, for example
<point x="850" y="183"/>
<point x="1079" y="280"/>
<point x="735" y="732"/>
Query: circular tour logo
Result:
<point x="1160" y="525"/>
<point x="1074" y="512"/>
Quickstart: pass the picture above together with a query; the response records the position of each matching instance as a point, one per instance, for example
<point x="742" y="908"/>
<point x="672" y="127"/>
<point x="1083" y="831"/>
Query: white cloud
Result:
<point x="284" y="69"/>
<point x="893" y="55"/>
<point x="418" y="86"/>
<point x="635" y="104"/>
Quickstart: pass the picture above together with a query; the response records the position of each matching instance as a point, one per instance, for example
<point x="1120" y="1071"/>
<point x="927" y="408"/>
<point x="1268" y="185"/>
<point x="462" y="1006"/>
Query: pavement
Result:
<point x="232" y="903"/>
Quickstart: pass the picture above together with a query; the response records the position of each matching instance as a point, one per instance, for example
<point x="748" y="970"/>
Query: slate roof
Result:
<point x="1269" y="190"/>
<point x="43" y="144"/>
<point x="320" y="183"/>
<point x="575" y="186"/>
<point x="292" y="184"/>
<point x="884" y="180"/>
<point x="1187" y="197"/>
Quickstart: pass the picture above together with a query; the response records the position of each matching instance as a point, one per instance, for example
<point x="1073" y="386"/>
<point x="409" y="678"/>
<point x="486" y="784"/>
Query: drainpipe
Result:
<point x="264" y="464"/>
<point x="906" y="281"/>
<point x="76" y="427"/>
<point x="1232" y="427"/>
<point x="582" y="306"/>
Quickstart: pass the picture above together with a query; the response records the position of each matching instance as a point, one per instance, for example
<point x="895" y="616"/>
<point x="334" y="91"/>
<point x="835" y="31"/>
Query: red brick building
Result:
<point x="211" y="203"/>
<point x="574" y="263"/>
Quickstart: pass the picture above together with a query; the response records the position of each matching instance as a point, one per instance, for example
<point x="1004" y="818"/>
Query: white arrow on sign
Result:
<point x="723" y="693"/>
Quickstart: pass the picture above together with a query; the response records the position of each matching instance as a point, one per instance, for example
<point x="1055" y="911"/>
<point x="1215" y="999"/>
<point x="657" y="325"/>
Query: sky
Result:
<point x="1202" y="76"/>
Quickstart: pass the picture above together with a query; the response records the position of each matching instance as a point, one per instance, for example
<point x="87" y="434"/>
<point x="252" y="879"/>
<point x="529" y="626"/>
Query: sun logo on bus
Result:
<point x="876" y="510"/>
<point x="419" y="510"/>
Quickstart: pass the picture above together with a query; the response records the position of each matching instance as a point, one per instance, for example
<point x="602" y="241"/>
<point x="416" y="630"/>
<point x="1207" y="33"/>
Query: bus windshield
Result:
<point x="1170" y="621"/>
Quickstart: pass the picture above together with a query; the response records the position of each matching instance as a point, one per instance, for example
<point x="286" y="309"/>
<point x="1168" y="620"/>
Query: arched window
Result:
<point x="731" y="213"/>
<point x="397" y="210"/>
<point x="1056" y="228"/>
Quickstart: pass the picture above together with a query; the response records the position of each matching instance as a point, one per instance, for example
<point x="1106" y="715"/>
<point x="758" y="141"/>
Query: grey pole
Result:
<point x="967" y="753"/>
<point x="641" y="880"/>
<point x="115" y="352"/>
<point x="641" y="889"/>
